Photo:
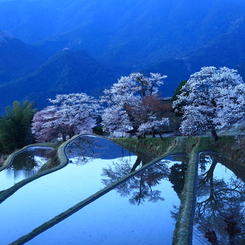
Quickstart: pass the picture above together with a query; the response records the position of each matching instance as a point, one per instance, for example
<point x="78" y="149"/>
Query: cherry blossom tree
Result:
<point x="132" y="102"/>
<point x="70" y="114"/>
<point x="148" y="115"/>
<point x="211" y="99"/>
<point x="44" y="127"/>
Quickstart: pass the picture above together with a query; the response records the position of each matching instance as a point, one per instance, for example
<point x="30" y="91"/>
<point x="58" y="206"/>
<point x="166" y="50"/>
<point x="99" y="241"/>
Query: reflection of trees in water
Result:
<point x="30" y="160"/>
<point x="140" y="186"/>
<point x="177" y="178"/>
<point x="82" y="149"/>
<point x="25" y="164"/>
<point x="85" y="148"/>
<point x="220" y="205"/>
<point x="177" y="173"/>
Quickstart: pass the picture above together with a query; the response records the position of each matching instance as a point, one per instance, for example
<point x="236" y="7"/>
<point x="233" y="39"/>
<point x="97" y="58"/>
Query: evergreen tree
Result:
<point x="15" y="126"/>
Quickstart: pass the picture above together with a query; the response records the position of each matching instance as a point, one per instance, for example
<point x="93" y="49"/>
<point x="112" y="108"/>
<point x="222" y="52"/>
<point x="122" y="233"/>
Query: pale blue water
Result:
<point x="220" y="195"/>
<point x="111" y="219"/>
<point x="25" y="164"/>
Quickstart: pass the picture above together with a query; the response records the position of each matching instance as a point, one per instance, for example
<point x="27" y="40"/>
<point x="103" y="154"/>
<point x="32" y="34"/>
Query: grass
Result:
<point x="153" y="146"/>
<point x="182" y="233"/>
<point x="157" y="147"/>
<point x="227" y="145"/>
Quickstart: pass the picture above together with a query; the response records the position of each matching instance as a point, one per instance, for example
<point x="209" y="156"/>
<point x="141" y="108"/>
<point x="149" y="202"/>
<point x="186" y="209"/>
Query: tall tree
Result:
<point x="211" y="99"/>
<point x="15" y="126"/>
<point x="131" y="102"/>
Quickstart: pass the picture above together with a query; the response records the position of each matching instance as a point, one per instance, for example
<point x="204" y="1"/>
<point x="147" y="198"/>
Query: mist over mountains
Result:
<point x="49" y="47"/>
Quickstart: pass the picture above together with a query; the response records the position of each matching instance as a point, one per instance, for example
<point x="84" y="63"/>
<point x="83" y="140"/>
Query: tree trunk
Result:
<point x="161" y="136"/>
<point x="153" y="134"/>
<point x="64" y="137"/>
<point x="214" y="135"/>
<point x="136" y="164"/>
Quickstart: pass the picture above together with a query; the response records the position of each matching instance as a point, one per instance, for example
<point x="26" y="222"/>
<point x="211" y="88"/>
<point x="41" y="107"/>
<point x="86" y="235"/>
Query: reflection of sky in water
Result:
<point x="46" y="197"/>
<point x="25" y="164"/>
<point x="111" y="219"/>
<point x="108" y="220"/>
<point x="220" y="171"/>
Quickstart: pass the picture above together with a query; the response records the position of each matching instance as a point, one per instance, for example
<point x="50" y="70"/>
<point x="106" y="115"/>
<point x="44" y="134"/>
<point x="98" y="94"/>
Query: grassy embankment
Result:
<point x="228" y="146"/>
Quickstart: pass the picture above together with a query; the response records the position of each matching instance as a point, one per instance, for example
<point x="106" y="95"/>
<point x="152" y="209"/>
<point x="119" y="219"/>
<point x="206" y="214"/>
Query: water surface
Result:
<point x="220" y="208"/>
<point x="25" y="164"/>
<point x="46" y="197"/>
<point x="122" y="216"/>
<point x="141" y="210"/>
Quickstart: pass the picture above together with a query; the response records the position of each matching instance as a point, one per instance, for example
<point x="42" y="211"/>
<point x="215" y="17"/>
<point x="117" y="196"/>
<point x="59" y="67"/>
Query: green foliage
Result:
<point x="177" y="120"/>
<point x="178" y="90"/>
<point x="98" y="130"/>
<point x="15" y="126"/>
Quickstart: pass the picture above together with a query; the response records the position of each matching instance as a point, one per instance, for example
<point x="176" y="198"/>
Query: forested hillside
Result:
<point x="175" y="38"/>
<point x="65" y="72"/>
<point x="17" y="58"/>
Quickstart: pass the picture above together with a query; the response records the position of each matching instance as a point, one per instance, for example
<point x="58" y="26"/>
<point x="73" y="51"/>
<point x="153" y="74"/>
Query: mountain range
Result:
<point x="49" y="47"/>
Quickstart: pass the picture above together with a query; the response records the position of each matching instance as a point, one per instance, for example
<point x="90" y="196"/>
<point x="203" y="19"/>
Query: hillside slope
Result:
<point x="175" y="38"/>
<point x="66" y="72"/>
<point x="131" y="34"/>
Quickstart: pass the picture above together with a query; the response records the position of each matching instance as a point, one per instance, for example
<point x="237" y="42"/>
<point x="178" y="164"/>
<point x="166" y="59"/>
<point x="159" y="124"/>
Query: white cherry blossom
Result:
<point x="211" y="99"/>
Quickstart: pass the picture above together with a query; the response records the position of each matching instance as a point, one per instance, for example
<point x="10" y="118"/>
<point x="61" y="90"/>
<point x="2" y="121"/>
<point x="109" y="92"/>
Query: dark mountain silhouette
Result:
<point x="177" y="70"/>
<point x="226" y="50"/>
<point x="125" y="33"/>
<point x="93" y="42"/>
<point x="69" y="71"/>
<point x="16" y="58"/>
